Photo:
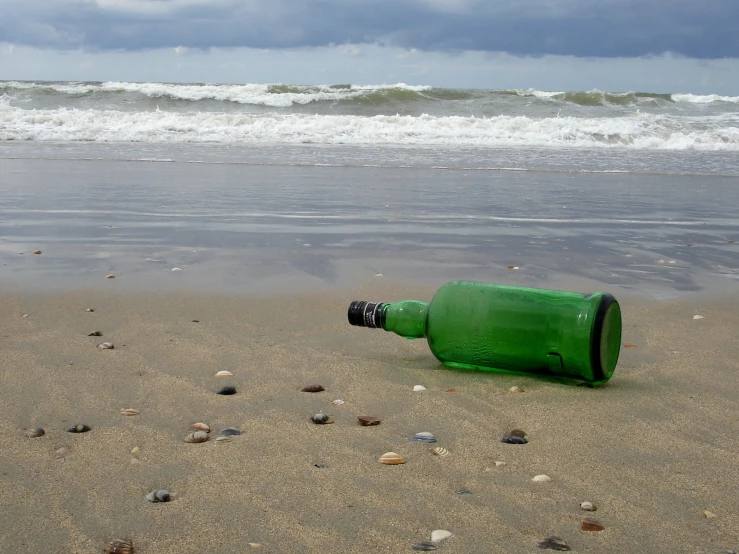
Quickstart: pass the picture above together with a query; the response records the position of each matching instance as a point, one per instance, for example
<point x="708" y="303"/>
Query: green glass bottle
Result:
<point x="508" y="329"/>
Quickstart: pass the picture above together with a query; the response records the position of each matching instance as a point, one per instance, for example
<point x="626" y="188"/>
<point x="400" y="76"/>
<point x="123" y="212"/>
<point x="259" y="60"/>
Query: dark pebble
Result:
<point x="229" y="431"/>
<point x="78" y="428"/>
<point x="195" y="321"/>
<point x="321" y="419"/>
<point x="226" y="390"/>
<point x="95" y="334"/>
<point x="425" y="546"/>
<point x="509" y="439"/>
<point x="312" y="388"/>
<point x="554" y="543"/>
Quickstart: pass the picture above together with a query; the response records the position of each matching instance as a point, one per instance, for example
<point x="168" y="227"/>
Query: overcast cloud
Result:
<point x="708" y="29"/>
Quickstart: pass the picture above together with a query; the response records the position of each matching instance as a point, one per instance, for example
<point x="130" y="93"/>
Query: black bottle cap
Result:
<point x="367" y="314"/>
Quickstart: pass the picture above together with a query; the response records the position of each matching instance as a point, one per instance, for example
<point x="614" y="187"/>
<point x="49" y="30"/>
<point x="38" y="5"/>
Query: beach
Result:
<point x="194" y="247"/>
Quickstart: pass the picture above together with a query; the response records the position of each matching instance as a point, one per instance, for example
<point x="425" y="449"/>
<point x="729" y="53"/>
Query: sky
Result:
<point x="616" y="45"/>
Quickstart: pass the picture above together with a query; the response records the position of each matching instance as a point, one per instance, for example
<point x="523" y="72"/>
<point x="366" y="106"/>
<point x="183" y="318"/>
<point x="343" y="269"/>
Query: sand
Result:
<point x="652" y="449"/>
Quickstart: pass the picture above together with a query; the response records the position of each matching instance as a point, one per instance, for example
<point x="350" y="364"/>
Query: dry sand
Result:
<point x="652" y="449"/>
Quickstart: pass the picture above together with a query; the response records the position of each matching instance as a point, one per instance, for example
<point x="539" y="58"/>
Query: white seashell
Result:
<point x="672" y="262"/>
<point x="378" y="274"/>
<point x="224" y="373"/>
<point x="106" y="345"/>
<point x="500" y="464"/>
<point x="135" y="450"/>
<point x="698" y="317"/>
<point x="541" y="479"/>
<point x="439" y="535"/>
<point x="26" y="315"/>
<point x="337" y="402"/>
<point x="201" y="427"/>
<point x="129" y="411"/>
<point x="391" y="459"/>
<point x="587" y="506"/>
<point x="419" y="388"/>
<point x="708" y="514"/>
<point x="197" y="436"/>
<point x="224" y="438"/>
<point x="176" y="269"/>
<point x="110" y="276"/>
<point x="440" y="451"/>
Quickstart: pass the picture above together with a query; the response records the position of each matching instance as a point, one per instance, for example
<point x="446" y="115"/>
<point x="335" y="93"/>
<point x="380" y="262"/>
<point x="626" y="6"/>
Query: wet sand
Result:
<point x="652" y="449"/>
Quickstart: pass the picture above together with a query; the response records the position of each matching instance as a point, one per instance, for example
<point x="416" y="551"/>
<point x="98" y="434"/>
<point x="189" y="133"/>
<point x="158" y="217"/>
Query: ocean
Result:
<point x="258" y="183"/>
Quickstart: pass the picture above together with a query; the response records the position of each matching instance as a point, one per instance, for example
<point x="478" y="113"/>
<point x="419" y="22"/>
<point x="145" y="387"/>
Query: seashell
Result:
<point x="512" y="267"/>
<point x="90" y="310"/>
<point x="463" y="491"/>
<point x="588" y="506"/>
<point x="517" y="433"/>
<point x="513" y="440"/>
<point x="439" y="535"/>
<point x="423" y="436"/>
<point x="135" y="450"/>
<point x="708" y="515"/>
<point x="515" y="389"/>
<point x="337" y="402"/>
<point x="129" y="411"/>
<point x="660" y="262"/>
<point x="160" y="495"/>
<point x="698" y="317"/>
<point x="368" y="421"/>
<point x="321" y="419"/>
<point x="541" y="478"/>
<point x="119" y="546"/>
<point x="312" y="388"/>
<point x="419" y="388"/>
<point x="391" y="459"/>
<point x="176" y="269"/>
<point x="224" y="373"/>
<point x="228" y="390"/>
<point x="424" y="546"/>
<point x="78" y="428"/>
<point x="95" y="334"/>
<point x="26" y="315"/>
<point x="591" y="524"/>
<point x="254" y="545"/>
<point x="223" y="439"/>
<point x="61" y="453"/>
<point x="201" y="427"/>
<point x="554" y="543"/>
<point x="110" y="276"/>
<point x="440" y="451"/>
<point x="35" y="433"/>
<point x="500" y="464"/>
<point x="106" y="345"/>
<point x="229" y="432"/>
<point x="37" y="252"/>
<point x="197" y="436"/>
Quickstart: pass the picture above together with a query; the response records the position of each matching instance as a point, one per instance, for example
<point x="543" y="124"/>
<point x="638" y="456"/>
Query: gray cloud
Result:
<point x="615" y="28"/>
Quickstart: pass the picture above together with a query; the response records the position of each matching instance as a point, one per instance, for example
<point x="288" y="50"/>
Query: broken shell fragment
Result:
<point x="419" y="388"/>
<point x="541" y="479"/>
<point x="201" y="427"/>
<point x="229" y="432"/>
<point x="224" y="373"/>
<point x="515" y="389"/>
<point x="338" y="402"/>
<point x="129" y="411"/>
<point x="37" y="252"/>
<point x="708" y="515"/>
<point x="440" y="451"/>
<point x="321" y="419"/>
<point x="391" y="459"/>
<point x="160" y="495"/>
<point x="110" y="276"/>
<point x="500" y="464"/>
<point x="228" y="390"/>
<point x="424" y="436"/>
<point x="424" y="546"/>
<point x="106" y="345"/>
<point x="95" y="334"/>
<point x="368" y="421"/>
<point x="223" y="439"/>
<point x="554" y="543"/>
<point x="698" y="317"/>
<point x="440" y="534"/>
<point x="196" y="437"/>
<point x="136" y="450"/>
<point x="312" y="388"/>
<point x="90" y="310"/>
<point x="591" y="524"/>
<point x="587" y="506"/>
<point x="78" y="428"/>
<point x="119" y="546"/>
<point x="35" y="433"/>
<point x="509" y="439"/>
